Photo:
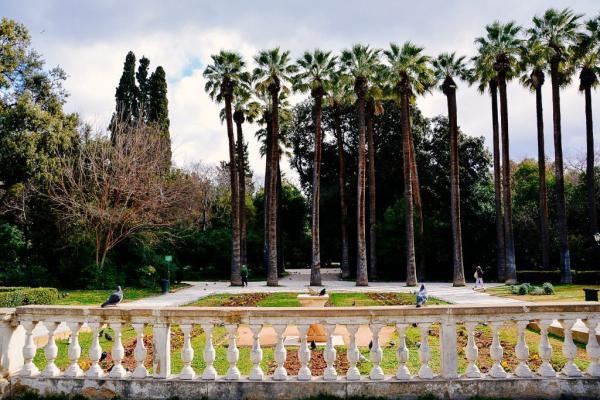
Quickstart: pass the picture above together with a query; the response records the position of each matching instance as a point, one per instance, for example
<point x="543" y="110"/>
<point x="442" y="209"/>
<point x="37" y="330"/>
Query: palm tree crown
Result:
<point x="587" y="54"/>
<point x="533" y="61"/>
<point x="448" y="66"/>
<point x="500" y="47"/>
<point x="315" y="71"/>
<point x="274" y="68"/>
<point x="409" y="66"/>
<point x="224" y="74"/>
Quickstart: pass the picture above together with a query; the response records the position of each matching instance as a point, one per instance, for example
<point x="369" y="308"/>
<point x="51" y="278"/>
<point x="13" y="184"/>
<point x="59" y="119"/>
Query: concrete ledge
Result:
<point x="514" y="388"/>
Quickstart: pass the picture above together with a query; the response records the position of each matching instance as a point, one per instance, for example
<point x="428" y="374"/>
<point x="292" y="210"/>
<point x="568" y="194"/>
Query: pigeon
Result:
<point x="421" y="296"/>
<point x="312" y="291"/>
<point x="313" y="345"/>
<point x="353" y="303"/>
<point x="103" y="356"/>
<point x="114" y="298"/>
<point x="323" y="292"/>
<point x="101" y="333"/>
<point x="370" y="345"/>
<point x="108" y="337"/>
<point x="362" y="358"/>
<point x="391" y="344"/>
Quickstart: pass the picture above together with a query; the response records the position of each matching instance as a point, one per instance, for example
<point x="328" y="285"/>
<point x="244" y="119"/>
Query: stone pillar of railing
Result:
<point x="425" y="372"/>
<point x="256" y="354"/>
<point x="545" y="350"/>
<point x="496" y="351"/>
<point x="569" y="349"/>
<point x="353" y="355"/>
<point x="280" y="355"/>
<point x="95" y="352"/>
<point x="448" y="349"/>
<point x="51" y="350"/>
<point x="304" y="373"/>
<point x="12" y="341"/>
<point x="592" y="348"/>
<point x="117" y="352"/>
<point x="402" y="353"/>
<point x="209" y="354"/>
<point x="162" y="350"/>
<point x="522" y="351"/>
<point x="139" y="352"/>
<point x="471" y="352"/>
<point x="330" y="354"/>
<point x="233" y="354"/>
<point x="187" y="353"/>
<point x="376" y="354"/>
<point x="74" y="370"/>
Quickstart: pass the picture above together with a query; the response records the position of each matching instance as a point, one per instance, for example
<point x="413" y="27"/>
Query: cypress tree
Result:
<point x="158" y="107"/>
<point x="126" y="94"/>
<point x="143" y="85"/>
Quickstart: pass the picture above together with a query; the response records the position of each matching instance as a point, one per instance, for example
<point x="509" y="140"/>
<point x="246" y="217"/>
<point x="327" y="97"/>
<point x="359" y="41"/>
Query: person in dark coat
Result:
<point x="478" y="278"/>
<point x="245" y="274"/>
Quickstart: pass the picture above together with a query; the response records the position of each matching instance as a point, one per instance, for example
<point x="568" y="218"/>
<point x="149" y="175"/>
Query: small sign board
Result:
<point x="168" y="258"/>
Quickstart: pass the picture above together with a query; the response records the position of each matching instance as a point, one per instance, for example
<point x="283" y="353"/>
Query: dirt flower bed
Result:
<point x="245" y="300"/>
<point x="390" y="299"/>
<point x="317" y="363"/>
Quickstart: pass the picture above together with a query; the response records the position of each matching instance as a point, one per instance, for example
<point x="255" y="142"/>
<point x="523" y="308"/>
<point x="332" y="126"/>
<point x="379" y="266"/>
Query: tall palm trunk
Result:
<point x="238" y="116"/>
<point x="449" y="88"/>
<point x="411" y="268"/>
<point x="370" y="113"/>
<point x="236" y="277"/>
<point x="272" y="278"/>
<point x="342" y="188"/>
<point x="267" y="188"/>
<point x="416" y="188"/>
<point x="500" y="248"/>
<point x="315" y="269"/>
<point x="360" y="86"/>
<point x="280" y="255"/>
<point x="588" y="78"/>
<point x="538" y="79"/>
<point x="510" y="273"/>
<point x="565" y="258"/>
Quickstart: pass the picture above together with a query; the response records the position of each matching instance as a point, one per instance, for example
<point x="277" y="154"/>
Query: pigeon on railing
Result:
<point x="322" y="292"/>
<point x="422" y="296"/>
<point x="114" y="299"/>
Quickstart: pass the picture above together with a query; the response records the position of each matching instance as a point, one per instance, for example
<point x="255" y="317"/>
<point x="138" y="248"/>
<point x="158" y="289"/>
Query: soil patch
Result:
<point x="316" y="364"/>
<point x="390" y="299"/>
<point x="245" y="300"/>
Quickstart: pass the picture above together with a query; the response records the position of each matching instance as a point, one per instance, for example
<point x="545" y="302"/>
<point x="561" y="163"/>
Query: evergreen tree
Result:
<point x="126" y="94"/>
<point x="143" y="85"/>
<point x="158" y="106"/>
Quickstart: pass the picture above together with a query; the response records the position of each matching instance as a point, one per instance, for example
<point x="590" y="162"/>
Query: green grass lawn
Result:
<point x="563" y="293"/>
<point x="97" y="297"/>
<point x="343" y="299"/>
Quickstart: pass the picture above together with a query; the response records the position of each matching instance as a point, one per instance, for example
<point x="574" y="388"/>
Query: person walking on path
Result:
<point x="244" y="273"/>
<point x="479" y="279"/>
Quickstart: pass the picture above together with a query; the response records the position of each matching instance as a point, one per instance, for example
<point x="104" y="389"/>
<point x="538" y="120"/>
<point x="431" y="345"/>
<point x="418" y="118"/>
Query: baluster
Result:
<point x="209" y="373"/>
<point x="280" y="373"/>
<point x="139" y="352"/>
<point x="569" y="350"/>
<point x="592" y="348"/>
<point x="233" y="354"/>
<point x="330" y="373"/>
<point x="353" y="374"/>
<point x="496" y="351"/>
<point x="29" y="350"/>
<point x="161" y="343"/>
<point x="74" y="369"/>
<point x="522" y="352"/>
<point x="304" y="373"/>
<point x="545" y="351"/>
<point x="117" y="352"/>
<point x="376" y="354"/>
<point x="425" y="371"/>
<point x="256" y="354"/>
<point x="95" y="352"/>
<point x="472" y="352"/>
<point x="187" y="353"/>
<point x="402" y="353"/>
<point x="51" y="350"/>
<point x="448" y="350"/>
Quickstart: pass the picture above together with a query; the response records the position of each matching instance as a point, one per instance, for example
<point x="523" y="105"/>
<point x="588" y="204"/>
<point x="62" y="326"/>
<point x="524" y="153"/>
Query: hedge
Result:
<point x="538" y="276"/>
<point x="19" y="296"/>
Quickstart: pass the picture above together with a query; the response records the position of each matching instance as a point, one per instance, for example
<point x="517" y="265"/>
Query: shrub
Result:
<point x="524" y="289"/>
<point x="24" y="296"/>
<point x="537" y="291"/>
<point x="548" y="288"/>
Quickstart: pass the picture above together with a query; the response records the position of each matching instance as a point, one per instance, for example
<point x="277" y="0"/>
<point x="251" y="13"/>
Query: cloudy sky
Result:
<point x="89" y="39"/>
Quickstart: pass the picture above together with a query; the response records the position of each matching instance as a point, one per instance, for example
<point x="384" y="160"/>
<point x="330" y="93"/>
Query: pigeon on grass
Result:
<point x="422" y="296"/>
<point x="114" y="299"/>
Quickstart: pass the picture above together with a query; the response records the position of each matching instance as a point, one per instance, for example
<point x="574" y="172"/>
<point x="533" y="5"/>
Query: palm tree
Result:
<point x="533" y="62"/>
<point x="360" y="62"/>
<point x="557" y="31"/>
<point x="315" y="71"/>
<point x="588" y="56"/>
<point x="499" y="48"/>
<point x="448" y="66"/>
<point x="339" y="96"/>
<point x="485" y="76"/>
<point x="374" y="108"/>
<point x="410" y="75"/>
<point x="222" y="76"/>
<point x="274" y="69"/>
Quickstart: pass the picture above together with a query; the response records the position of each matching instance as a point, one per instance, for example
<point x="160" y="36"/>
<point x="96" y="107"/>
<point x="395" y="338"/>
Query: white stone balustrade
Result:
<point x="446" y="320"/>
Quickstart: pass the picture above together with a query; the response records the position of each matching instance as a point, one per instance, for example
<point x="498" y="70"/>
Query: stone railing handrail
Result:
<point x="449" y="317"/>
